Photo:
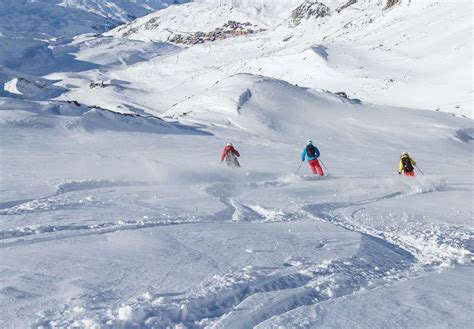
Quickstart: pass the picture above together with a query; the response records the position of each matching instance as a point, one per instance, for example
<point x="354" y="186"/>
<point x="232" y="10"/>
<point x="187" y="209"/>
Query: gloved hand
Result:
<point x="399" y="172"/>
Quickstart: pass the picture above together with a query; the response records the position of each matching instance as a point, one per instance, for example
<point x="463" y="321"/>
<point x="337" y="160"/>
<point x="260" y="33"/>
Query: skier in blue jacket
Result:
<point x="311" y="153"/>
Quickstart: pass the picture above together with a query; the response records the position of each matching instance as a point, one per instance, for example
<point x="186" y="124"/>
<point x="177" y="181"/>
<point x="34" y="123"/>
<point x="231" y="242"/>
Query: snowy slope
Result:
<point x="162" y="241"/>
<point x="45" y="20"/>
<point x="382" y="55"/>
<point x="31" y="30"/>
<point x="67" y="18"/>
<point x="120" y="10"/>
<point x="115" y="211"/>
<point x="205" y="15"/>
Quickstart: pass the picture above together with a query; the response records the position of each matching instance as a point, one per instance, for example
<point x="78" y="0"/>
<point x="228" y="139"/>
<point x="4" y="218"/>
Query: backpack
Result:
<point x="230" y="153"/>
<point x="310" y="151"/>
<point x="407" y="166"/>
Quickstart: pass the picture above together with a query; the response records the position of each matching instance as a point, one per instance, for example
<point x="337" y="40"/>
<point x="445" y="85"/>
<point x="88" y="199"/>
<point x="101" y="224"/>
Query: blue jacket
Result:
<point x="316" y="153"/>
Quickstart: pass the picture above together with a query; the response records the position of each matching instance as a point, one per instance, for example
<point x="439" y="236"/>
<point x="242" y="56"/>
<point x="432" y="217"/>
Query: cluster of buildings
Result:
<point x="228" y="30"/>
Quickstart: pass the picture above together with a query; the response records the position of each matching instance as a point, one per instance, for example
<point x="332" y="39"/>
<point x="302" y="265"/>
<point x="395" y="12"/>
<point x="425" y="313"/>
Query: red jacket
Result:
<point x="229" y="149"/>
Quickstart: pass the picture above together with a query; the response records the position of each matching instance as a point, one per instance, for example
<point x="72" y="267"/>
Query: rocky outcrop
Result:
<point x="391" y="3"/>
<point x="344" y="6"/>
<point x="309" y="9"/>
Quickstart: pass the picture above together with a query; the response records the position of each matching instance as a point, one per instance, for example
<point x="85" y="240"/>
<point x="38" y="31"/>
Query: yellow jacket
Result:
<point x="400" y="166"/>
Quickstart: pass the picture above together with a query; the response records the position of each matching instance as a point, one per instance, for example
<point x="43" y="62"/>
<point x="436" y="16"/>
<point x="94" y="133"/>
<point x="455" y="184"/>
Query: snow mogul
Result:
<point x="230" y="155"/>
<point x="311" y="153"/>
<point x="407" y="165"/>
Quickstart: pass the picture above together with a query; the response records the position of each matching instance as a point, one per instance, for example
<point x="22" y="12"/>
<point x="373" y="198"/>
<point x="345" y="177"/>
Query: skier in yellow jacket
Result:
<point x="407" y="165"/>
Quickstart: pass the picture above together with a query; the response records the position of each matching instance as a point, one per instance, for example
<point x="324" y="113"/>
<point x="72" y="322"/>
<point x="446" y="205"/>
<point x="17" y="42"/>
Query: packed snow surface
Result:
<point x="115" y="211"/>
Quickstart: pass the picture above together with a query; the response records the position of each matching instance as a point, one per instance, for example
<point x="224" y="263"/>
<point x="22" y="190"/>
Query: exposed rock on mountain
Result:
<point x="309" y="9"/>
<point x="391" y="3"/>
<point x="347" y="4"/>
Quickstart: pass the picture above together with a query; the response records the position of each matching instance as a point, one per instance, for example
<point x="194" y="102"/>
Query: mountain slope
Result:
<point x="138" y="224"/>
<point x="29" y="30"/>
<point x="410" y="54"/>
<point x="120" y="10"/>
<point x="47" y="19"/>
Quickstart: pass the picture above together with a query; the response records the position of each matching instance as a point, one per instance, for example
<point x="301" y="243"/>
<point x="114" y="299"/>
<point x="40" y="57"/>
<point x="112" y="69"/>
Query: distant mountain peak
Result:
<point x="47" y="19"/>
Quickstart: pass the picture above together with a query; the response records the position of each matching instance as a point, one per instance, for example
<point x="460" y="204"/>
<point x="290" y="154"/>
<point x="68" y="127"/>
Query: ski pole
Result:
<point x="419" y="170"/>
<point x="326" y="168"/>
<point x="298" y="167"/>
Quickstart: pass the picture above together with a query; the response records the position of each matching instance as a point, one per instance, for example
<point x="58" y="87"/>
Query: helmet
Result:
<point x="405" y="153"/>
<point x="309" y="142"/>
<point x="229" y="144"/>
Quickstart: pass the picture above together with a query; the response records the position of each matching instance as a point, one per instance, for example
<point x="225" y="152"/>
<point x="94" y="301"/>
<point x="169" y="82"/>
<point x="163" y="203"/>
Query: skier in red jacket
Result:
<point x="230" y="155"/>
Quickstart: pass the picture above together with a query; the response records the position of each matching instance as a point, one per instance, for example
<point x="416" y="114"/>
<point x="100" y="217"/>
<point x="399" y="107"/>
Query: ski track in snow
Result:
<point x="441" y="245"/>
<point x="251" y="289"/>
<point x="249" y="296"/>
<point x="39" y="233"/>
<point x="53" y="202"/>
<point x="60" y="200"/>
<point x="252" y="295"/>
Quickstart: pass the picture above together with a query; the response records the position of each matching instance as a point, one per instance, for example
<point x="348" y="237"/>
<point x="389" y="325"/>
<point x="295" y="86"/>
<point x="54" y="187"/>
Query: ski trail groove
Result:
<point x="435" y="246"/>
<point x="245" y="298"/>
<point x="250" y="296"/>
<point x="35" y="234"/>
<point x="54" y="202"/>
